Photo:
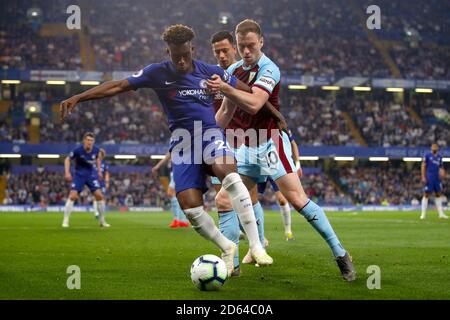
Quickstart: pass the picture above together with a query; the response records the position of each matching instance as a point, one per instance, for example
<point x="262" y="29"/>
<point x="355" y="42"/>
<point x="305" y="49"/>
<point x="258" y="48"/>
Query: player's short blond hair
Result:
<point x="248" y="25"/>
<point x="178" y="34"/>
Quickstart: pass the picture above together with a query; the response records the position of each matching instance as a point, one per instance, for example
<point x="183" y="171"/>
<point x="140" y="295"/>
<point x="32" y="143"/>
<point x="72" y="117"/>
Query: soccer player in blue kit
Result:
<point x="87" y="172"/>
<point x="198" y="144"/>
<point x="432" y="171"/>
<point x="104" y="183"/>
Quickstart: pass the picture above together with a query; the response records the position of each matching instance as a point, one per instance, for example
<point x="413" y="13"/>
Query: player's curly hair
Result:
<point x="178" y="34"/>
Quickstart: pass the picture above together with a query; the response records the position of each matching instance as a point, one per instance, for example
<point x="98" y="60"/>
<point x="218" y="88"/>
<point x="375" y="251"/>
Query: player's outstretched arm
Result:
<point x="107" y="89"/>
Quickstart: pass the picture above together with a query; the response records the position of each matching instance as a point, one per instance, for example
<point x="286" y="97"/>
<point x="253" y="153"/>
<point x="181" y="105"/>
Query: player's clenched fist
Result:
<point x="214" y="84"/>
<point x="67" y="107"/>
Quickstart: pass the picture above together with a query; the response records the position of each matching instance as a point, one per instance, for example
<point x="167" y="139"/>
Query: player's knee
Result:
<point x="298" y="200"/>
<point x="171" y="192"/>
<point x="231" y="179"/>
<point x="282" y="201"/>
<point x="73" y="197"/>
<point x="193" y="214"/>
<point x="98" y="196"/>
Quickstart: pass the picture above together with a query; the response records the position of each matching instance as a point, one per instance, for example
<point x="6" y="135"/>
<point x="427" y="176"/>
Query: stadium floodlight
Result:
<point x="157" y="156"/>
<point x="445" y="159"/>
<point x="412" y="159"/>
<point x="424" y="90"/>
<point x="125" y="156"/>
<point x="362" y="88"/>
<point x="311" y="158"/>
<point x="331" y="88"/>
<point x="48" y="156"/>
<point x="344" y="158"/>
<point x="56" y="82"/>
<point x="12" y="155"/>
<point x="89" y="83"/>
<point x="11" y="81"/>
<point x="394" y="89"/>
<point x="297" y="87"/>
<point x="378" y="159"/>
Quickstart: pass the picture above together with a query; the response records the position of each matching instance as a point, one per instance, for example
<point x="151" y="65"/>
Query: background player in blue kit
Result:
<point x="104" y="183"/>
<point x="432" y="171"/>
<point x="179" y="219"/>
<point x="87" y="172"/>
<point x="198" y="144"/>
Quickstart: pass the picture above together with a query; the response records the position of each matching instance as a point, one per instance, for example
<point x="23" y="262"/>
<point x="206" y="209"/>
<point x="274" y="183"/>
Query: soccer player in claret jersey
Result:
<point x="270" y="155"/>
<point x="87" y="172"/>
<point x="198" y="145"/>
<point x="432" y="171"/>
<point x="224" y="50"/>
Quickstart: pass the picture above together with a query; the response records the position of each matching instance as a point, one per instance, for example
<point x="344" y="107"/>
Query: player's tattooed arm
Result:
<point x="249" y="102"/>
<point x="279" y="118"/>
<point x="107" y="89"/>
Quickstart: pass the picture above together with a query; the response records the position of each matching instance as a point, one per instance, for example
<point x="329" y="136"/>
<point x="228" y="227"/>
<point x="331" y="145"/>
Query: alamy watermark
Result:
<point x="374" y="280"/>
<point x="73" y="22"/>
<point x="373" y="22"/>
<point x="74" y="280"/>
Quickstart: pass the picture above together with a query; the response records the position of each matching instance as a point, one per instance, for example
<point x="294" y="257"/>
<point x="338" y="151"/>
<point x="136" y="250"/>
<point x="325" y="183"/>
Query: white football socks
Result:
<point x="286" y="216"/>
<point x="68" y="209"/>
<point x="101" y="210"/>
<point x="438" y="201"/>
<point x="242" y="204"/>
<point x="95" y="205"/>
<point x="424" y="207"/>
<point x="205" y="226"/>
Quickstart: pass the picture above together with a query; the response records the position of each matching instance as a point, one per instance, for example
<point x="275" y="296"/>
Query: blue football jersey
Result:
<point x="85" y="162"/>
<point x="184" y="96"/>
<point x="433" y="163"/>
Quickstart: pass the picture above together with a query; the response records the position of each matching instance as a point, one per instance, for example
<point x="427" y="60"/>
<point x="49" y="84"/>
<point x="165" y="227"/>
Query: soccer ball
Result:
<point x="208" y="272"/>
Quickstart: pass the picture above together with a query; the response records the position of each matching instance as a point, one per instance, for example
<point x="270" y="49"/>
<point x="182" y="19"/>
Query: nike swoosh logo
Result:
<point x="168" y="83"/>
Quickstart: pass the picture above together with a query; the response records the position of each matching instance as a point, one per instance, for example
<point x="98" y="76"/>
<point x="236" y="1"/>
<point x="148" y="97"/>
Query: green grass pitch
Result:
<point x="139" y="257"/>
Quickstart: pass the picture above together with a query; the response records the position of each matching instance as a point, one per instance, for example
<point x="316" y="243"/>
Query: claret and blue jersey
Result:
<point x="187" y="103"/>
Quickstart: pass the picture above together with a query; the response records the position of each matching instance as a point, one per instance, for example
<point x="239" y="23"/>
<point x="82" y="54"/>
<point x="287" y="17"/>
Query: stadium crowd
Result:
<point x="42" y="188"/>
<point x="382" y="184"/>
<point x="387" y="123"/>
<point x="318" y="38"/>
<point x="128" y="118"/>
<point x="316" y="121"/>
